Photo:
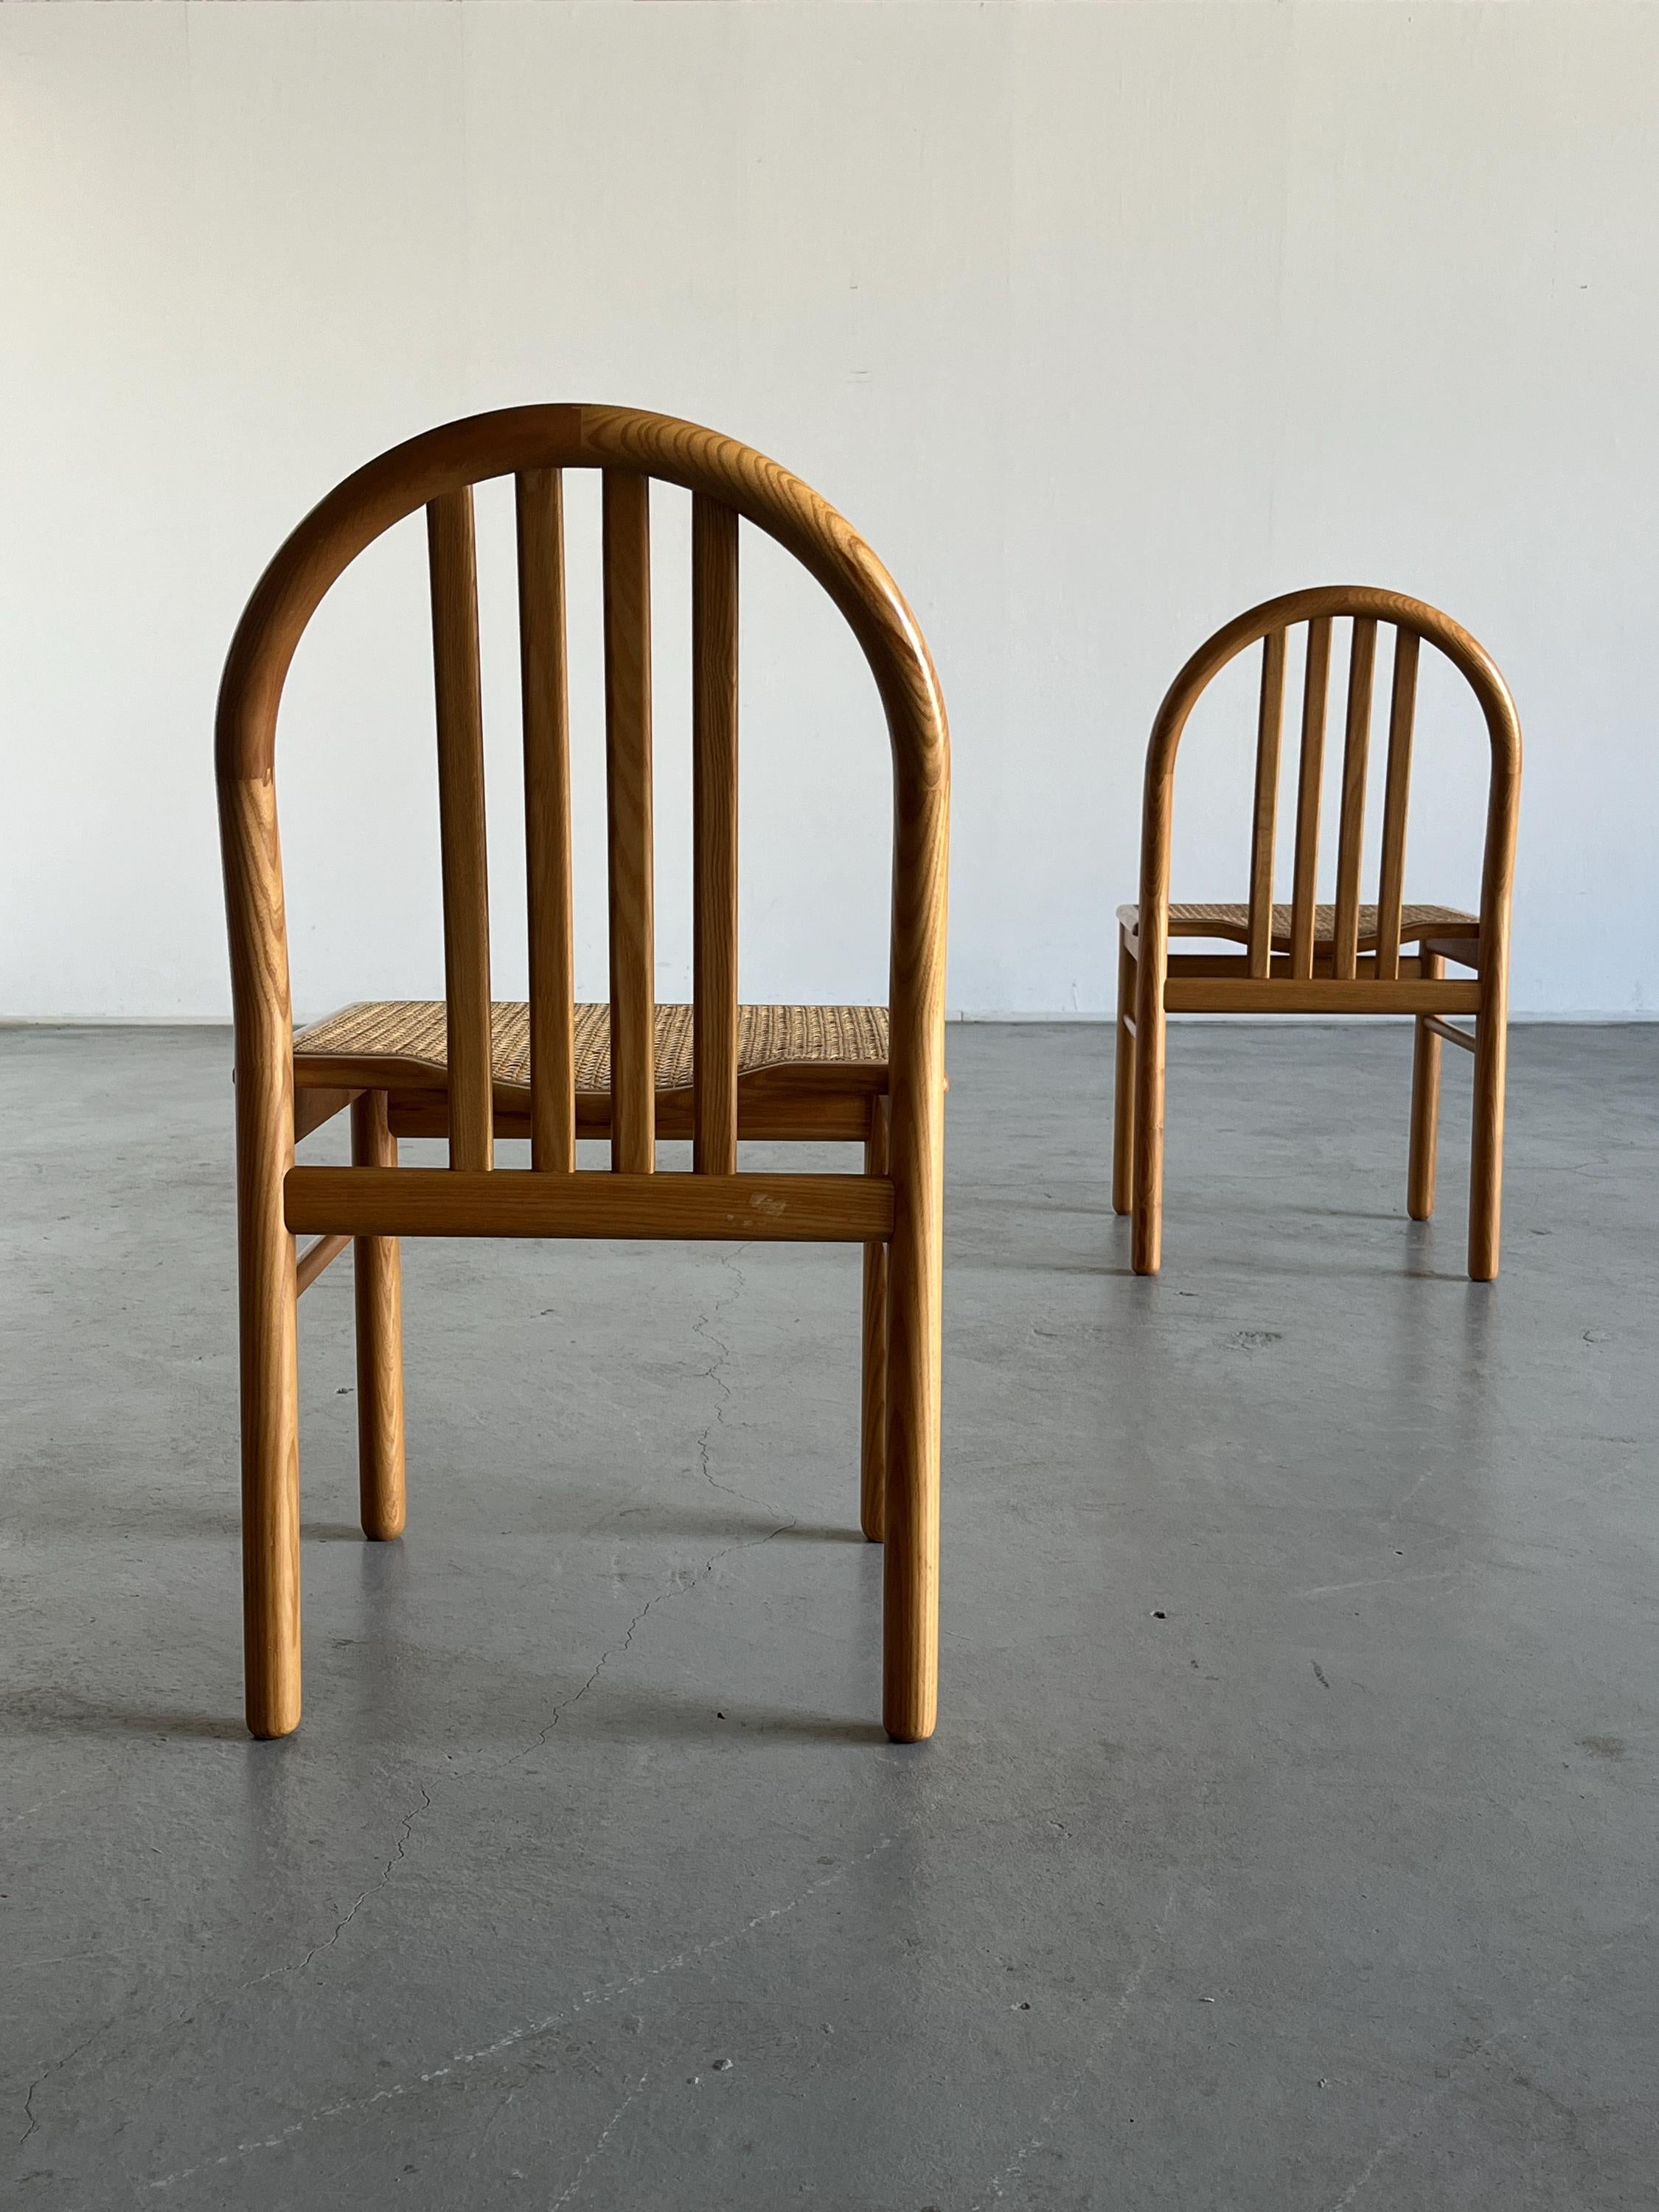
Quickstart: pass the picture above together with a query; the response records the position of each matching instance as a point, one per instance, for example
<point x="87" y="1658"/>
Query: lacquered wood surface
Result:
<point x="545" y="686"/>
<point x="316" y="1260"/>
<point x="715" y="831"/>
<point x="631" y="849"/>
<point x="461" y="824"/>
<point x="1351" y="832"/>
<point x="1269" y="728"/>
<point x="1315" y="684"/>
<point x="377" y="1288"/>
<point x="1396" y="800"/>
<point x="872" y="1428"/>
<point x="813" y="1209"/>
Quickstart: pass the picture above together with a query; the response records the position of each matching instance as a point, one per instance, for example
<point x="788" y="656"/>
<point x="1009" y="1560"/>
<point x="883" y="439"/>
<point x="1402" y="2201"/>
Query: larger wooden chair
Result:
<point x="1309" y="958"/>
<point x="631" y="1071"/>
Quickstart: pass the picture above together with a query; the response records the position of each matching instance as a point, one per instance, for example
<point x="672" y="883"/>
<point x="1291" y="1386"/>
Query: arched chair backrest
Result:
<point x="1413" y="623"/>
<point x="727" y="481"/>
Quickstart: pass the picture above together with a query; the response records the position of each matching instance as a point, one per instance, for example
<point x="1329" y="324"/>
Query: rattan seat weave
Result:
<point x="1234" y="922"/>
<point x="411" y="1034"/>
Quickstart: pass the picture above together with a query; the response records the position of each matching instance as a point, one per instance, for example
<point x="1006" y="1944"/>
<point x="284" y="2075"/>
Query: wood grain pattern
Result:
<point x="544" y="683"/>
<point x="1123" y="1100"/>
<point x="1238" y="967"/>
<point x="377" y="1288"/>
<point x="1487" y="1148"/>
<point x="1396" y="800"/>
<point x="1351" y="824"/>
<point x="1151" y="968"/>
<point x="901" y="1211"/>
<point x="1449" y="1033"/>
<point x="1421" y="1166"/>
<point x="1323" y="967"/>
<point x="873" y="1395"/>
<point x="267" y="1295"/>
<point x="915" y="1258"/>
<point x="714" y="832"/>
<point x="811" y="1209"/>
<point x="315" y="1261"/>
<point x="312" y="1107"/>
<point x="628" y="812"/>
<point x="461" y="824"/>
<point x="1311" y="774"/>
<point x="1319" y="994"/>
<point x="768" y="1112"/>
<point x="1269" y="727"/>
<point x="1463" y="951"/>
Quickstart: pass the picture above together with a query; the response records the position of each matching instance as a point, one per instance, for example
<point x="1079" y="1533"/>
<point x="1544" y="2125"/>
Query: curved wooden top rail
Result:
<point x="1334" y="600"/>
<point x="1412" y="620"/>
<point x="1466" y="654"/>
<point x="401" y="482"/>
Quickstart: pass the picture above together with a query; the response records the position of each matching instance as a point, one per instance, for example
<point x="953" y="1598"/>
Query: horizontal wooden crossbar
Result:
<point x="313" y="1108"/>
<point x="1465" y="950"/>
<point x="1318" y="994"/>
<point x="312" y="1260"/>
<point x="843" y="1120"/>
<point x="1238" y="964"/>
<point x="1450" y="1030"/>
<point x="830" y="1209"/>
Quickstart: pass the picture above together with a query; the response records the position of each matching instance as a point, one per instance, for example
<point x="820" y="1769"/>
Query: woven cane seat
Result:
<point x="404" y="1042"/>
<point x="1416" y="922"/>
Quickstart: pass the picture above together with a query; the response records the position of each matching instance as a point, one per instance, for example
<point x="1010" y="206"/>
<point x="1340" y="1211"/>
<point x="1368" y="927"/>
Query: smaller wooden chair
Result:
<point x="1309" y="958"/>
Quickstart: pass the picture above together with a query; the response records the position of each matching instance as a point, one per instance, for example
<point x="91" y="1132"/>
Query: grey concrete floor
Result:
<point x="1291" y="1834"/>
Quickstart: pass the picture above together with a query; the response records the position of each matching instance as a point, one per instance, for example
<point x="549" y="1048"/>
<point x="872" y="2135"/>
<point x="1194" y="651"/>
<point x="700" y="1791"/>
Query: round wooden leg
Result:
<point x="379" y="1293"/>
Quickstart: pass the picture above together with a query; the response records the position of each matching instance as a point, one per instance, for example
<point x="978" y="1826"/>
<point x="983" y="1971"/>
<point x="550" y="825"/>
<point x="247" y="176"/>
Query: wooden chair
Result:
<point x="1308" y="958"/>
<point x="471" y="1070"/>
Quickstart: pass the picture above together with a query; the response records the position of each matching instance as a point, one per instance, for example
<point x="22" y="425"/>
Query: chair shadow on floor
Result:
<point x="628" y="1715"/>
<point x="653" y="1519"/>
<point x="172" y="1522"/>
<point x="633" y="1715"/>
<point x="53" y="1712"/>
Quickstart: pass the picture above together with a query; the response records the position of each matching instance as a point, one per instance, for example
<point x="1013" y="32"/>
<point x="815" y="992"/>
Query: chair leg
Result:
<point x="873" y="1457"/>
<point x="379" y="1289"/>
<point x="1123" y="1102"/>
<point x="1146" y="1250"/>
<point x="1487" y="1157"/>
<point x="271" y="1430"/>
<point x="911" y="1561"/>
<point x="1425" y="1109"/>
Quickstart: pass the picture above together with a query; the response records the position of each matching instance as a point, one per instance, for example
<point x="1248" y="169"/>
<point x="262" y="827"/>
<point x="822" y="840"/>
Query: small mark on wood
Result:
<point x="1320" y="1672"/>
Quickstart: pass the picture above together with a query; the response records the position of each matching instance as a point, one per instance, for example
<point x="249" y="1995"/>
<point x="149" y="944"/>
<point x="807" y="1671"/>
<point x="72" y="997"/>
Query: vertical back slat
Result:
<point x="1403" y="708"/>
<point x="543" y="671"/>
<point x="1269" y="725"/>
<point x="627" y="812"/>
<point x="1351" y="832"/>
<point x="461" y="826"/>
<point x="1311" y="774"/>
<point x="714" y="833"/>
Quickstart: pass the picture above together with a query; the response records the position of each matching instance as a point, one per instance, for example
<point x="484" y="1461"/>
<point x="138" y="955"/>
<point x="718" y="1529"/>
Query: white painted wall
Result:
<point x="1100" y="322"/>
